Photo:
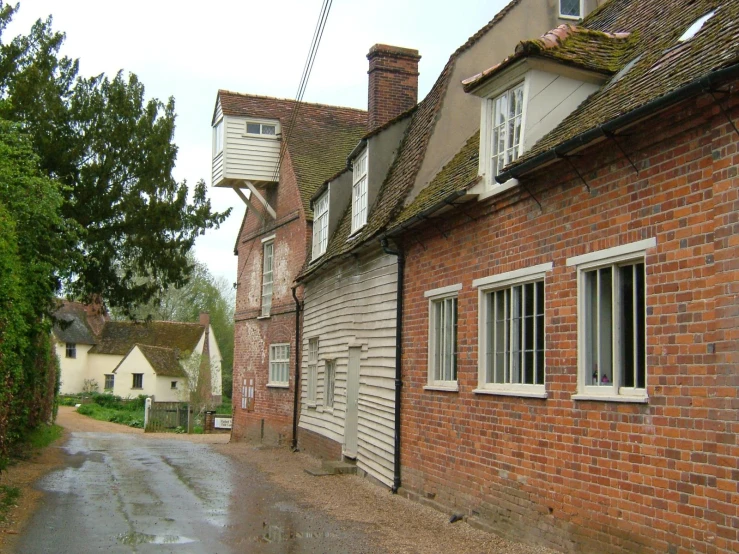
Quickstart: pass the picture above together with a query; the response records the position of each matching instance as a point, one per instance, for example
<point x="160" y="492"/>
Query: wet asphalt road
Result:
<point x="123" y="493"/>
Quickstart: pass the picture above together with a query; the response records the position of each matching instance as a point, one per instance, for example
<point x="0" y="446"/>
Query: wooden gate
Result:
<point x="165" y="416"/>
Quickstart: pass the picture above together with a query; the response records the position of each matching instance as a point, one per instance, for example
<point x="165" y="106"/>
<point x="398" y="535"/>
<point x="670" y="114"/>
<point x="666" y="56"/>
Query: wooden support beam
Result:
<point x="255" y="192"/>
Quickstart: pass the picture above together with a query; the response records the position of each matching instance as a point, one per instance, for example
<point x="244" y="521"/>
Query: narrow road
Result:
<point x="125" y="492"/>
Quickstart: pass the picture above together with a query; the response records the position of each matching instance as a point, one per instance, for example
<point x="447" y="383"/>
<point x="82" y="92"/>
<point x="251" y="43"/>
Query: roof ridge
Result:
<point x="291" y="100"/>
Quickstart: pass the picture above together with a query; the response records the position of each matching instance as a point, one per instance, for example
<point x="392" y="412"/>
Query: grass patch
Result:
<point x="132" y="418"/>
<point x="43" y="436"/>
<point x="8" y="498"/>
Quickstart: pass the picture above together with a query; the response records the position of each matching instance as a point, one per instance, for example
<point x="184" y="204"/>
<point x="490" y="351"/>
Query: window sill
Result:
<point x="311" y="405"/>
<point x="278" y="385"/>
<point x="263" y="316"/>
<point x="521" y="393"/>
<point x="442" y="388"/>
<point x="137" y="388"/>
<point x="489" y="190"/>
<point x="611" y="398"/>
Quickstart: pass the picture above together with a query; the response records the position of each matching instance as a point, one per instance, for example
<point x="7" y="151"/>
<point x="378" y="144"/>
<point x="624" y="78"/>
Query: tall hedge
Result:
<point x="34" y="242"/>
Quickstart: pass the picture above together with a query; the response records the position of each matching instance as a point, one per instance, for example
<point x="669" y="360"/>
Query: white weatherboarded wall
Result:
<point x="354" y="304"/>
<point x="250" y="157"/>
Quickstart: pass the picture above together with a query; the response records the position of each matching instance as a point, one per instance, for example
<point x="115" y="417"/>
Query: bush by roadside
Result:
<point x="106" y="407"/>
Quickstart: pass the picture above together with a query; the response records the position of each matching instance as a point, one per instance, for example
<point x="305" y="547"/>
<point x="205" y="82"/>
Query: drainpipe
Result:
<point x="296" y="397"/>
<point x="398" y="358"/>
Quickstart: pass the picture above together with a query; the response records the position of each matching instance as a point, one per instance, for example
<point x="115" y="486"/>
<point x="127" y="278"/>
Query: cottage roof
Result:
<point x="320" y="141"/>
<point x="402" y="174"/>
<point x="118" y="337"/>
<point x="164" y="361"/>
<point x="658" y="63"/>
<point x="71" y="324"/>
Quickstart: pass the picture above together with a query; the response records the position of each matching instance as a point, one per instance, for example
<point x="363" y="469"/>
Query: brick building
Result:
<point x="570" y="301"/>
<point x="275" y="167"/>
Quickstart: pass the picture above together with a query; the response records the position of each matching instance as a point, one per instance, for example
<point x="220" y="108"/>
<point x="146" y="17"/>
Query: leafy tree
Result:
<point x="114" y="153"/>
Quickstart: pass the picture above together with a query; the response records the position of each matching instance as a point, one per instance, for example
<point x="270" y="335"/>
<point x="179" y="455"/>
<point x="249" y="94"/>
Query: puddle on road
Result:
<point x="142" y="538"/>
<point x="277" y="534"/>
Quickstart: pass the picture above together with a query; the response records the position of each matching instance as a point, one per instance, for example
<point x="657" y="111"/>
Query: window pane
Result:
<point x="253" y="128"/>
<point x="641" y="351"/>
<point x="605" y="326"/>
<point x="569" y="8"/>
<point x="268" y="129"/>
<point x="626" y="313"/>
<point x="590" y="279"/>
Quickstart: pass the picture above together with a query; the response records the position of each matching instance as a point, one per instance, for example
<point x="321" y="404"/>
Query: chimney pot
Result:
<point x="393" y="83"/>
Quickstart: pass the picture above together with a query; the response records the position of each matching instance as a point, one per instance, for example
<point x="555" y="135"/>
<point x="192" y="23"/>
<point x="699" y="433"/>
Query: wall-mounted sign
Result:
<point x="223" y="422"/>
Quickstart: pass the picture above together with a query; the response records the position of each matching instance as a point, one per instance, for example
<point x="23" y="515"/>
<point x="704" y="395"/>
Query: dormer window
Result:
<point x="261" y="129"/>
<point x="506" y="111"/>
<point x="570" y="9"/>
<point x="218" y="138"/>
<point x="359" y="192"/>
<point x="320" y="225"/>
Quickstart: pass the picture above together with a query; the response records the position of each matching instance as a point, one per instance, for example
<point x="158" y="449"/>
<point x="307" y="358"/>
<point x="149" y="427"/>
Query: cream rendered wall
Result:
<point x="100" y="364"/>
<point x="165" y="393"/>
<point x="74" y="371"/>
<point x="353" y="304"/>
<point x="135" y="362"/>
<point x="459" y="117"/>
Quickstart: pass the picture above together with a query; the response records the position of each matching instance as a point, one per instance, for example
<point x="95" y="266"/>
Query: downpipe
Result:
<point x="296" y="394"/>
<point x="398" y="358"/>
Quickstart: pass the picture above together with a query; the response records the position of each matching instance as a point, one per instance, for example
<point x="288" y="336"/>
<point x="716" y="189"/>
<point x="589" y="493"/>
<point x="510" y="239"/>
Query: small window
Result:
<point x="312" y="370"/>
<point x="570" y="9"/>
<point x="71" y="350"/>
<point x="443" y="342"/>
<point x="329" y="383"/>
<point x="359" y="192"/>
<point x="247" y="395"/>
<point x="279" y="365"/>
<point x="218" y="138"/>
<point x="267" y="277"/>
<point x="261" y="129"/>
<point x="173" y="385"/>
<point x="320" y="225"/>
<point x="138" y="381"/>
<point x="109" y="381"/>
<point x="506" y="139"/>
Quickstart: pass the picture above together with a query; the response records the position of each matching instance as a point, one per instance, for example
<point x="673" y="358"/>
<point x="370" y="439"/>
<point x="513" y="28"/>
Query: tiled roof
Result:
<point x="322" y="137"/>
<point x="71" y="325"/>
<point x="403" y="172"/>
<point x="164" y="361"/>
<point x="118" y="337"/>
<point x="570" y="45"/>
<point x="458" y="175"/>
<point x="663" y="64"/>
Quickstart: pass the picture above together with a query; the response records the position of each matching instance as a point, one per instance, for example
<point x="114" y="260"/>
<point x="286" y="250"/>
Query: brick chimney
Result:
<point x="393" y="82"/>
<point x="204" y="319"/>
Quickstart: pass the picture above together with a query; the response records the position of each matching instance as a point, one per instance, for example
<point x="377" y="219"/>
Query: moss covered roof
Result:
<point x="71" y="324"/>
<point x="118" y="337"/>
<point x="662" y="64"/>
<point x="320" y="141"/>
<point x="458" y="175"/>
<point x="164" y="361"/>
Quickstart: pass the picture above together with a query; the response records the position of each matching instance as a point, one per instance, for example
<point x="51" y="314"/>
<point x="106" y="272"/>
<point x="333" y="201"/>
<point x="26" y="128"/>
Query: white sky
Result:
<point x="190" y="50"/>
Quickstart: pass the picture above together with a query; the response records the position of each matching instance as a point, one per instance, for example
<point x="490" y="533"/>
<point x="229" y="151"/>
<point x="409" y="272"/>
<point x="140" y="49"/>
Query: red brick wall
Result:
<point x="318" y="445"/>
<point x="586" y="476"/>
<point x="393" y="82"/>
<point x="271" y="419"/>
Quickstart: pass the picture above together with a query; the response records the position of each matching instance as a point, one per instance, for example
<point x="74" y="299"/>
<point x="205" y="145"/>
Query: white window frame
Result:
<point x="439" y="301"/>
<point x="492" y="284"/>
<point x="329" y="384"/>
<point x="359" y="191"/>
<point x="279" y="365"/>
<point x="312" y="371"/>
<point x="511" y="150"/>
<point x="173" y="385"/>
<point x="320" y="225"/>
<point x="268" y="275"/>
<point x="572" y="17"/>
<point x="261" y="132"/>
<point x="624" y="255"/>
<point x="218" y="131"/>
<point x="70" y="350"/>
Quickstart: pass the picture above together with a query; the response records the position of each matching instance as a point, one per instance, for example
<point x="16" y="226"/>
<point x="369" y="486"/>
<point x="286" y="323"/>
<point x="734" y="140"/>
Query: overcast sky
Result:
<point x="189" y="50"/>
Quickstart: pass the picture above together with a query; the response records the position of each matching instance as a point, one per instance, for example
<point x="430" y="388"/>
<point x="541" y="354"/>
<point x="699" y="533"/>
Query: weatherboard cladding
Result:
<point x="118" y="337"/>
<point x="664" y="66"/>
<point x="320" y="141"/>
